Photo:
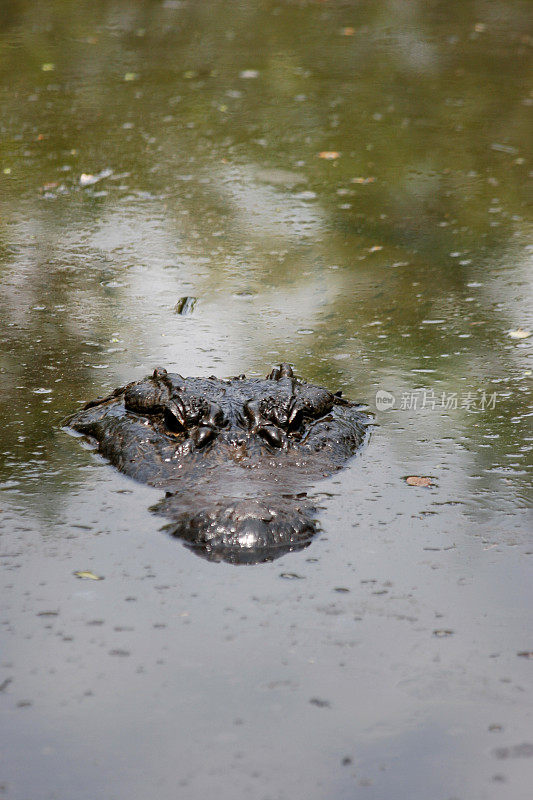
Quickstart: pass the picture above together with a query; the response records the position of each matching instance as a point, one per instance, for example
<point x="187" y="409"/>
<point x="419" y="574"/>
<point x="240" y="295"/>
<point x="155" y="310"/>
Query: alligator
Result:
<point x="233" y="456"/>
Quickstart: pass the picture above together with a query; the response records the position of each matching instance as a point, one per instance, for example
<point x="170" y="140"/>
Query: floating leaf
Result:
<point x="364" y="181"/>
<point x="88" y="576"/>
<point x="347" y="31"/>
<point x="419" y="480"/>
<point x="519" y="333"/>
<point x="48" y="67"/>
<point x="131" y="76"/>
<point x="329" y="155"/>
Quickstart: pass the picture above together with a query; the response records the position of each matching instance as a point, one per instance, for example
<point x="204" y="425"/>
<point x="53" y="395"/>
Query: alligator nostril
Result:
<point x="286" y="371"/>
<point x="281" y="371"/>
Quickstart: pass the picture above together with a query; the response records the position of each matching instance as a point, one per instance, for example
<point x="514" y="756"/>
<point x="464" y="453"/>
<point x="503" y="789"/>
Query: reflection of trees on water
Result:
<point x="221" y="179"/>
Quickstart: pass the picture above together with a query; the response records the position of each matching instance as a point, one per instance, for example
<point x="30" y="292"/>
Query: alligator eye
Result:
<point x="174" y="415"/>
<point x="295" y="418"/>
<point x="215" y="417"/>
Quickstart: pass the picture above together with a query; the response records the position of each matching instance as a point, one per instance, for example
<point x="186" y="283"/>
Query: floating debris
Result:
<point x="329" y="155"/>
<point x="319" y="702"/>
<point x="524" y="750"/>
<point x="86" y="179"/>
<point x="519" y="333"/>
<point x="504" y="148"/>
<point x="419" y="480"/>
<point x="185" y="305"/>
<point x="88" y="576"/>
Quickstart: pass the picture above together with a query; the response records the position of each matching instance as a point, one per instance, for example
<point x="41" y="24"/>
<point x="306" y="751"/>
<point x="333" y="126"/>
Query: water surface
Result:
<point x="342" y="186"/>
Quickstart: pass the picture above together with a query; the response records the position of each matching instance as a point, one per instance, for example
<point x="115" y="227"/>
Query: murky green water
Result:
<point x="343" y="186"/>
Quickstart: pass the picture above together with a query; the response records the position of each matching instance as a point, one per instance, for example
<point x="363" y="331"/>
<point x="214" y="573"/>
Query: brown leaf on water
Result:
<point x="329" y="155"/>
<point x="364" y="181"/>
<point x="419" y="480"/>
<point x="347" y="31"/>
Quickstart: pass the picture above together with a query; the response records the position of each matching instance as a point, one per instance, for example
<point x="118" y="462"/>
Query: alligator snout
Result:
<point x="233" y="456"/>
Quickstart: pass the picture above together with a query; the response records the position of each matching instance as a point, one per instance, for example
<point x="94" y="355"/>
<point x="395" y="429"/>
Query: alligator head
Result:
<point x="234" y="457"/>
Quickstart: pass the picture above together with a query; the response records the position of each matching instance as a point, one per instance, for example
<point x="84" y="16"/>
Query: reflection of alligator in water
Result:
<point x="234" y="456"/>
